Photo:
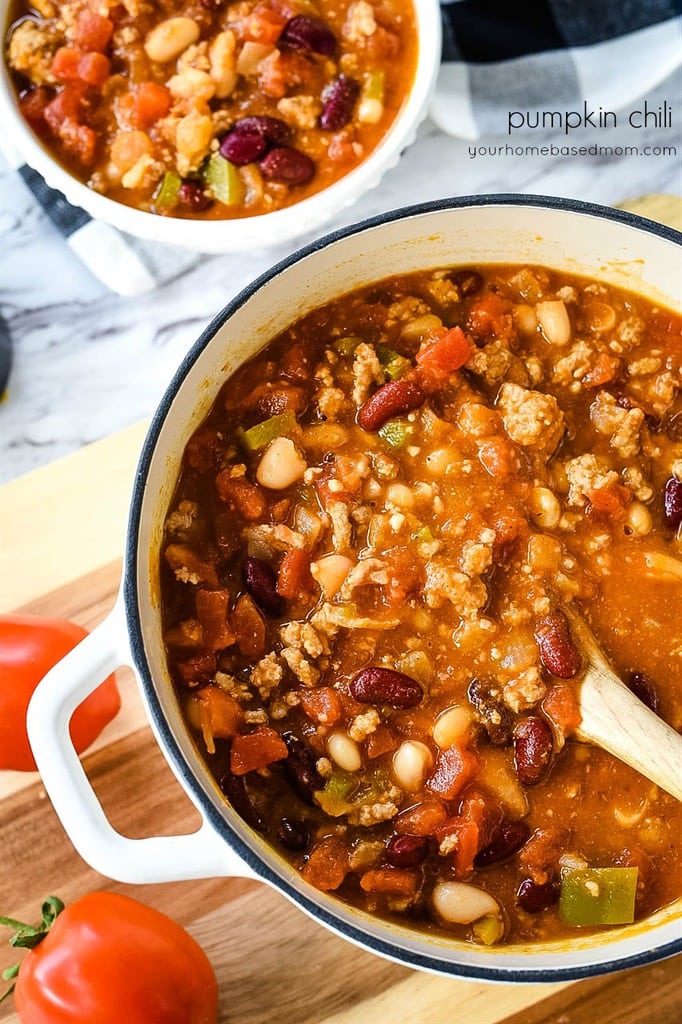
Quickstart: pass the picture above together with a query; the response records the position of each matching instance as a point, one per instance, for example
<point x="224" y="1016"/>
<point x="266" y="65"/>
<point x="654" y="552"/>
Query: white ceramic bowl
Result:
<point x="247" y="232"/>
<point x="615" y="247"/>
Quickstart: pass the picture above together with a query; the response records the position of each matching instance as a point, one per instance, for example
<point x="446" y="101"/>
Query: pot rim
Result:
<point x="219" y="822"/>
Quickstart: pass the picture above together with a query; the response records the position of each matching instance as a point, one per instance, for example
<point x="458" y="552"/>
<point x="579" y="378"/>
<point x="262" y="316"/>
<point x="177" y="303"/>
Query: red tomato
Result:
<point x="108" y="959"/>
<point x="29" y="647"/>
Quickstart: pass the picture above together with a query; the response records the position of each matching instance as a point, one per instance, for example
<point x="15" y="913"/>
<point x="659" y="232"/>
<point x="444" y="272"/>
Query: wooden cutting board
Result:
<point x="61" y="536"/>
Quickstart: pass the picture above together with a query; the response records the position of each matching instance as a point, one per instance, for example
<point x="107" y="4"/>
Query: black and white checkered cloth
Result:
<point x="530" y="55"/>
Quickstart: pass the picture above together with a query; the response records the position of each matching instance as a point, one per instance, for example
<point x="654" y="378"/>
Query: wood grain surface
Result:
<point x="61" y="537"/>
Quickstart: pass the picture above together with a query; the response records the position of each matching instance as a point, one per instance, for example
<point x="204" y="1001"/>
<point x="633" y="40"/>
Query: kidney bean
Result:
<point x="287" y="166"/>
<point x="558" y="652"/>
<point x="300" y="768"/>
<point x="192" y="195"/>
<point x="250" y="137"/>
<point x="338" y="100"/>
<point x="644" y="690"/>
<point x="261" y="583"/>
<point x="494" y="715"/>
<point x="672" y="503"/>
<point x="406" y="851"/>
<point x="508" y="837"/>
<point x="386" y="686"/>
<point x="243" y="146"/>
<point x="468" y="282"/>
<point x="293" y="834"/>
<point x="534" y="898"/>
<point x="234" y="788"/>
<point x="309" y="34"/>
<point x="532" y="749"/>
<point x="394" y="398"/>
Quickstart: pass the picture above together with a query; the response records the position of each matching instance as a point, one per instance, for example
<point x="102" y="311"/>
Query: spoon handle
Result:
<point x="613" y="718"/>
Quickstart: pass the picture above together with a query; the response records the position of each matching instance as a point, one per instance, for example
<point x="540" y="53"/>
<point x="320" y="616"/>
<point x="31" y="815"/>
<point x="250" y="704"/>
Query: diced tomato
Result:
<point x="147" y="103"/>
<point x="66" y="106"/>
<point x="467" y="843"/>
<point x="605" y="369"/>
<point x="380" y="742"/>
<point x="240" y="494"/>
<point x="92" y="31"/>
<point x="94" y="68"/>
<point x="65" y="64"/>
<point x="328" y="864"/>
<point x="498" y="457"/>
<point x="256" y="749"/>
<point x="442" y="355"/>
<point x="539" y="857"/>
<point x="219" y="714"/>
<point x="295" y="364"/>
<point x="424" y="819"/>
<point x="199" y="669"/>
<point x="510" y="526"/>
<point x="248" y="626"/>
<point x="471" y="829"/>
<point x="212" y="610"/>
<point x="263" y="25"/>
<point x="321" y="705"/>
<point x="561" y="707"/>
<point x="454" y="770"/>
<point x="204" y="447"/>
<point x="33" y="102"/>
<point x="401" y="881"/>
<point x="610" y="501"/>
<point x="293" y="578"/>
<point x="189" y="567"/>
<point x="405" y="576"/>
<point x="490" y="316"/>
<point x="79" y="140"/>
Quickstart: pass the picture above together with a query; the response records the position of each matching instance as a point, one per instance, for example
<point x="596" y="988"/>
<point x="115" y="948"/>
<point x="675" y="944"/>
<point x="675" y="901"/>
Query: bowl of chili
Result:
<point x="272" y="115"/>
<point x="386" y="732"/>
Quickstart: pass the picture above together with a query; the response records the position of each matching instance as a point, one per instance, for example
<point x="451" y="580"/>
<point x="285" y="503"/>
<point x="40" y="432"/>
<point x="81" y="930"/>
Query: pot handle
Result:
<point x="201" y="854"/>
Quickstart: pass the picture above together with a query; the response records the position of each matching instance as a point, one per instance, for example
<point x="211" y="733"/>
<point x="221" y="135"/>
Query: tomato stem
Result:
<point x="28" y="936"/>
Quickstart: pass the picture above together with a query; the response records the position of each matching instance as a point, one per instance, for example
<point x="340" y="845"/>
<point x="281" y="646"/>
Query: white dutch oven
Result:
<point x="612" y="246"/>
<point x="242" y="233"/>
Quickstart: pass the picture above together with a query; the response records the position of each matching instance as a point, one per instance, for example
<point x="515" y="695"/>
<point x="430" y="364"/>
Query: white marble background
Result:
<point x="87" y="362"/>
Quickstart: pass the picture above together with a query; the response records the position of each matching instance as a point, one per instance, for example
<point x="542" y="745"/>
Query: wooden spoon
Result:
<point x="613" y="718"/>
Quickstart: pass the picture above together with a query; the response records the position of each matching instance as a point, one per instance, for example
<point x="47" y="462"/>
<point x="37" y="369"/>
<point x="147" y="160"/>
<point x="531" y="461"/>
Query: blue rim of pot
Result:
<point x="171" y="748"/>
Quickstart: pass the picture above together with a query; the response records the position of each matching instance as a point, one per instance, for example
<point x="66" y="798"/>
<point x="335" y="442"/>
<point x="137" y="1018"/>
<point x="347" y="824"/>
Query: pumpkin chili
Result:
<point x="210" y="109"/>
<point x="374" y="537"/>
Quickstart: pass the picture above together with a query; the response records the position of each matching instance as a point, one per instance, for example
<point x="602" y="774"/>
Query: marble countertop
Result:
<point x="87" y="362"/>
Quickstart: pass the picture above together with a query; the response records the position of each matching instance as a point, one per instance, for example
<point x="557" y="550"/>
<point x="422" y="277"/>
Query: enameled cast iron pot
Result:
<point x="615" y="247"/>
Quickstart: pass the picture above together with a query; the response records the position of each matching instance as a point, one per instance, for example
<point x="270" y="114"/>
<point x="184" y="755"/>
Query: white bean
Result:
<point x="461" y="903"/>
<point x="554" y="321"/>
<point x="412" y="762"/>
<point x="545" y="509"/>
<point x="169" y="38"/>
<point x="330" y="572"/>
<point x="344" y="752"/>
<point x="639" y="519"/>
<point x="281" y="465"/>
<point x="452" y="726"/>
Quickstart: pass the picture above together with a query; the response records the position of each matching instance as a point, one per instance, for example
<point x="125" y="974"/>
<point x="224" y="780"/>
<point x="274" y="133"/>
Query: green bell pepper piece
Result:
<point x="488" y="930"/>
<point x="346" y="346"/>
<point x="334" y="799"/>
<point x="167" y="196"/>
<point x="224" y="181"/>
<point x="598" y="896"/>
<point x="395" y="365"/>
<point x="396" y="432"/>
<point x="374" y="86"/>
<point x="258" y="436"/>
